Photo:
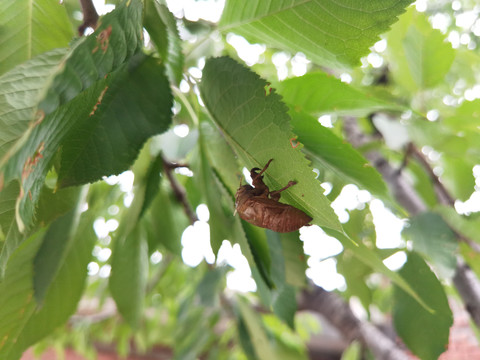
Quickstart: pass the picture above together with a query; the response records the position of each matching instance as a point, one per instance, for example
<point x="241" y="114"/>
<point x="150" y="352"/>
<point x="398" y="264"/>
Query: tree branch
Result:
<point x="443" y="195"/>
<point x="401" y="188"/>
<point x="465" y="280"/>
<point x="339" y="314"/>
<point x="178" y="189"/>
<point x="90" y="16"/>
<point x="441" y="191"/>
<point x="468" y="287"/>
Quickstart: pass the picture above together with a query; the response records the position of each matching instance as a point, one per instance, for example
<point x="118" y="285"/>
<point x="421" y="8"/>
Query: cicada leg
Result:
<point x="275" y="195"/>
<point x="254" y="174"/>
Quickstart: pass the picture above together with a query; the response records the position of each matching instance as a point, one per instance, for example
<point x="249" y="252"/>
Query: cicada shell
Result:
<point x="261" y="207"/>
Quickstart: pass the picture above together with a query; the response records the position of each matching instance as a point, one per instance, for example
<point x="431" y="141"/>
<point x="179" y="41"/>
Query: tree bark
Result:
<point x="468" y="287"/>
<point x="339" y="314"/>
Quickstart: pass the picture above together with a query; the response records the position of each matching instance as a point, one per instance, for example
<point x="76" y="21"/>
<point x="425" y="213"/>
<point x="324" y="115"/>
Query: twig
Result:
<point x="178" y="189"/>
<point x="468" y="287"/>
<point x="90" y="16"/>
<point x="339" y="314"/>
<point x="171" y="165"/>
<point x="443" y="195"/>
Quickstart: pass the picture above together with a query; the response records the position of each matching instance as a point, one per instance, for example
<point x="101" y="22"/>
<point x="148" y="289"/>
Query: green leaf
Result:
<point x="295" y="260"/>
<point x="336" y="155"/>
<point x="318" y="93"/>
<point x="423" y="183"/>
<point x="255" y="329"/>
<point x="257" y="242"/>
<point x="162" y="27"/>
<point x="466" y="117"/>
<point x="210" y="286"/>
<point x="284" y="304"/>
<point x="29" y="28"/>
<point x="13" y="238"/>
<point x="53" y="204"/>
<point x="17" y="302"/>
<point x="221" y="156"/>
<point x="167" y="221"/>
<point x="18" y="99"/>
<point x="194" y="326"/>
<point x="421" y="56"/>
<point x="245" y="340"/>
<point x="353" y="352"/>
<point x="434" y="239"/>
<point x="286" y="341"/>
<point x="156" y="27"/>
<point x="128" y="280"/>
<point x="467" y="226"/>
<point x="458" y="175"/>
<point x="355" y="273"/>
<point x="8" y="197"/>
<point x="192" y="335"/>
<point x="135" y="106"/>
<point x="425" y="333"/>
<point x="283" y="295"/>
<point x="117" y="38"/>
<point x="55" y="246"/>
<point x="260" y="274"/>
<point x="65" y="290"/>
<point x="152" y="181"/>
<point x="360" y="225"/>
<point x="255" y="123"/>
<point x="370" y="258"/>
<point x="428" y="54"/>
<point x="90" y="61"/>
<point x="32" y="161"/>
<point x="330" y="33"/>
<point x="221" y="214"/>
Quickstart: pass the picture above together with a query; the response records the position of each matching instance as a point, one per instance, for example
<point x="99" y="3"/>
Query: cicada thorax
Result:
<point x="260" y="206"/>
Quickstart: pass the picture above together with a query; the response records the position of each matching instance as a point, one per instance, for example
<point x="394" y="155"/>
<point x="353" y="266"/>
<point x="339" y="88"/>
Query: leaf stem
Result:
<point x="187" y="104"/>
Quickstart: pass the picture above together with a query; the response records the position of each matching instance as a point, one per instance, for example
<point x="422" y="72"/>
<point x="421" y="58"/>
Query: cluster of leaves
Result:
<point x="74" y="112"/>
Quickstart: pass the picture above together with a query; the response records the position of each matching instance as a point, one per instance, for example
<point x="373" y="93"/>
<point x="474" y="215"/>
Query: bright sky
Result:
<point x="320" y="247"/>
